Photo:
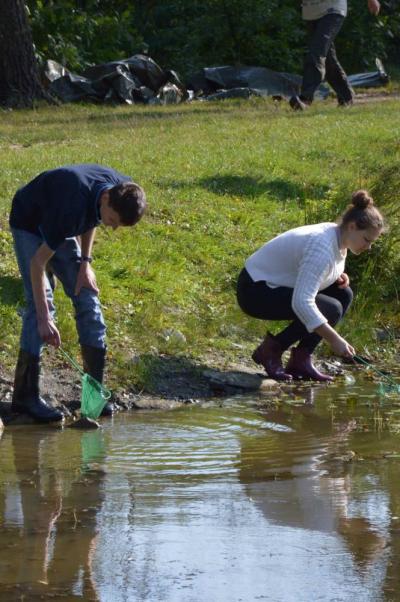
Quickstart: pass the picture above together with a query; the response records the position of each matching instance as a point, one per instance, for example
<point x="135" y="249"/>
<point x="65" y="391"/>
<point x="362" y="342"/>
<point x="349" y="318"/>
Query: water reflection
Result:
<point x="310" y="474"/>
<point x="234" y="501"/>
<point x="49" y="501"/>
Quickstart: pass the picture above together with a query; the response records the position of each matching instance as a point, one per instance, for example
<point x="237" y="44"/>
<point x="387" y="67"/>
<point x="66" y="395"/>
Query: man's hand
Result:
<point x="343" y="281"/>
<point x="86" y="278"/>
<point x="48" y="332"/>
<point x="374" y="7"/>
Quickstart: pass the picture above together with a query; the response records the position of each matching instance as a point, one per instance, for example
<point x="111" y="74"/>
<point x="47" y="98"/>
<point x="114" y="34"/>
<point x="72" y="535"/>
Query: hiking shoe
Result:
<point x="297" y="104"/>
<point x="345" y="104"/>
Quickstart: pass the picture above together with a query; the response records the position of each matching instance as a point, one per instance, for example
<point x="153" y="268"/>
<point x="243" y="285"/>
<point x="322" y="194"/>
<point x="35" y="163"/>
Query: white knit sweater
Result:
<point x="307" y="259"/>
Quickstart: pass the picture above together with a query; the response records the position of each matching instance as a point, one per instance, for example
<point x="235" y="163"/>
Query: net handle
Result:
<point x="106" y="392"/>
<point x="71" y="361"/>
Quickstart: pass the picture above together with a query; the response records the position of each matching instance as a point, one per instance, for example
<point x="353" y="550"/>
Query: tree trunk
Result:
<point x="19" y="75"/>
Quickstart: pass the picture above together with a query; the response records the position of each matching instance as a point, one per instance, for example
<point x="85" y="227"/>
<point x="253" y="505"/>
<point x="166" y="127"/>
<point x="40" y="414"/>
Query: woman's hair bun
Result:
<point x="361" y="199"/>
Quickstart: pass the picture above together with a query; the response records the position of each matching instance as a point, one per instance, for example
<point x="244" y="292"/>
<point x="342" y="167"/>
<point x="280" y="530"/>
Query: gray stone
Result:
<point x="240" y="379"/>
<point x="85" y="423"/>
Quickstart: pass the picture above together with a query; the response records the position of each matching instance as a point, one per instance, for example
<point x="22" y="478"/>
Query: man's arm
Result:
<point x="87" y="242"/>
<point x="374" y="7"/>
<point x="46" y="327"/>
<point x="86" y="276"/>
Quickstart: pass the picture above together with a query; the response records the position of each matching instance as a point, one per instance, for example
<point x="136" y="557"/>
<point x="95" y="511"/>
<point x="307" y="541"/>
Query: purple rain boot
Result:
<point x="269" y="355"/>
<point x="301" y="367"/>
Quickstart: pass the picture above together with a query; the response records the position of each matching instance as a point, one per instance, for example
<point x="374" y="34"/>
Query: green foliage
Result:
<point x="365" y="37"/>
<point x="187" y="35"/>
<point x="78" y="34"/>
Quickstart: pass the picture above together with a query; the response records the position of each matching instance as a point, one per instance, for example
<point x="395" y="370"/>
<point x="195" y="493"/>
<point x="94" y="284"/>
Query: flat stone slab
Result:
<point x="240" y="379"/>
<point x="148" y="402"/>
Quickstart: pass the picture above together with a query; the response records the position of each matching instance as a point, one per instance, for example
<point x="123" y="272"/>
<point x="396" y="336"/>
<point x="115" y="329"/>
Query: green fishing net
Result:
<point x="93" y="398"/>
<point x="94" y="395"/>
<point x="388" y="388"/>
<point x="387" y="384"/>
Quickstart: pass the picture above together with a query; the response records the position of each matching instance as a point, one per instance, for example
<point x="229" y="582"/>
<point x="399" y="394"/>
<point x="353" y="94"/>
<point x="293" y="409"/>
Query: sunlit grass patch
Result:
<point x="221" y="179"/>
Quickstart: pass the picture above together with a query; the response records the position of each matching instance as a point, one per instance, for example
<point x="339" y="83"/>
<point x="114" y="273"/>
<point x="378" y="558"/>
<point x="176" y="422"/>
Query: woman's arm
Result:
<point x="316" y="265"/>
<point x="338" y="344"/>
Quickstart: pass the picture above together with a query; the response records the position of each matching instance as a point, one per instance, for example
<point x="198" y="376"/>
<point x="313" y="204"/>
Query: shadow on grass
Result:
<point x="279" y="189"/>
<point x="11" y="290"/>
<point x="179" y="378"/>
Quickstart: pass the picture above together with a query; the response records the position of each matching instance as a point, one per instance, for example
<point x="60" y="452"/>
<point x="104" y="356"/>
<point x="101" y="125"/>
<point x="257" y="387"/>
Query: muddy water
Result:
<point x="231" y="501"/>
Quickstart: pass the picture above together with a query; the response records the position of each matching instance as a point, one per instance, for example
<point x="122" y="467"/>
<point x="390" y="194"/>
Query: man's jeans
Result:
<point x="65" y="265"/>
<point x="321" y="62"/>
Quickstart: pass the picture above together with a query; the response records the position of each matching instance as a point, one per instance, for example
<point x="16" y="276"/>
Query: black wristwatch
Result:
<point x="88" y="259"/>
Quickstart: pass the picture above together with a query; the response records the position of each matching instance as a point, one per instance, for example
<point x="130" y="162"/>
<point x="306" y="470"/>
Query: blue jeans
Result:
<point x="65" y="265"/>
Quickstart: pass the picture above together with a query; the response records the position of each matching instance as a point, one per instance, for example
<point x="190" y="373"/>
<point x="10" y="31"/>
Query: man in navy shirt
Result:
<point x="46" y="217"/>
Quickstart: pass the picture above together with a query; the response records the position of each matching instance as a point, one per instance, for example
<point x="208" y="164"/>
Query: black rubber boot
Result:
<point x="94" y="360"/>
<point x="26" y="398"/>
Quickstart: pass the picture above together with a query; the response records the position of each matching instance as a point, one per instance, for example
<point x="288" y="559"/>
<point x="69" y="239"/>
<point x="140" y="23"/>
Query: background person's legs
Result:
<point x="322" y="35"/>
<point x="337" y="78"/>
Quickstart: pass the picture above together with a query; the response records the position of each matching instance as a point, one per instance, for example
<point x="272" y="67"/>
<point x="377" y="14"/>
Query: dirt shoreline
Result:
<point x="175" y="382"/>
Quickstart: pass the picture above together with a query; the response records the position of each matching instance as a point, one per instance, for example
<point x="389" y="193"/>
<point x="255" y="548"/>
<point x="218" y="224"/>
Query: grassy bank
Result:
<point x="221" y="179"/>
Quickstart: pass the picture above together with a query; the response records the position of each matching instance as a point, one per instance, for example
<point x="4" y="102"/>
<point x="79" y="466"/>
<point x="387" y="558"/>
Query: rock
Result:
<point x="85" y="423"/>
<point x="170" y="335"/>
<point x="268" y="383"/>
<point x="349" y="379"/>
<point x="333" y="367"/>
<point x="248" y="381"/>
<point x="381" y="334"/>
<point x="148" y="402"/>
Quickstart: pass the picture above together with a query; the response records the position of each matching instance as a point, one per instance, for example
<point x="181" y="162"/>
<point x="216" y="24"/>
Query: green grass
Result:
<point x="221" y="179"/>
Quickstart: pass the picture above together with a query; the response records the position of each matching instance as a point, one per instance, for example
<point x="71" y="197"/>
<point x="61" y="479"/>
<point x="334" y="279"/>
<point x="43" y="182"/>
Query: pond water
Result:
<point x="233" y="500"/>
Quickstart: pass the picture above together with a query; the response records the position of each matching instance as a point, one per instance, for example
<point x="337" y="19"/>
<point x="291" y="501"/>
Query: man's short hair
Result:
<point x="129" y="201"/>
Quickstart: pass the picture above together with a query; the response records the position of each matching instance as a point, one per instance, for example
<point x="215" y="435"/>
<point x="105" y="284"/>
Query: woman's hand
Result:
<point x="86" y="278"/>
<point x="343" y="281"/>
<point x="341" y="347"/>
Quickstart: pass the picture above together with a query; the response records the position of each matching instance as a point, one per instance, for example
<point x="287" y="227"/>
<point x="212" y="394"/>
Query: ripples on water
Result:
<point x="230" y="501"/>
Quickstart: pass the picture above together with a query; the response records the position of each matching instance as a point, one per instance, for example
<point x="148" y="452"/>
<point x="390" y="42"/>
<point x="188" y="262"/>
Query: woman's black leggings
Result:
<point x="258" y="300"/>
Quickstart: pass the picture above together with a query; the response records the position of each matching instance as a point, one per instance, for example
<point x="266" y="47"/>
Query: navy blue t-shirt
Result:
<point x="63" y="202"/>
